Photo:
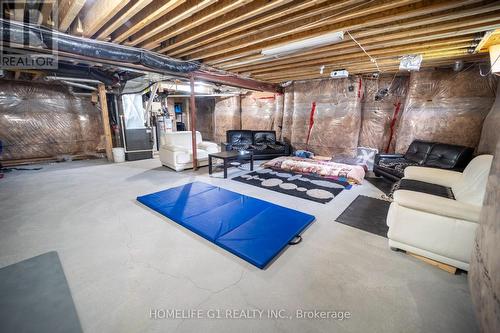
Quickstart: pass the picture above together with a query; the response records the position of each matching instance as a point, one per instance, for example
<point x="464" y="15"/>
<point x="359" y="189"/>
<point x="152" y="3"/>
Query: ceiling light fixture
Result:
<point x="305" y="44"/>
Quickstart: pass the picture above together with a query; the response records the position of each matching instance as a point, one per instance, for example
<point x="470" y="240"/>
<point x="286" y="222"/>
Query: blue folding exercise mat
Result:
<point x="253" y="229"/>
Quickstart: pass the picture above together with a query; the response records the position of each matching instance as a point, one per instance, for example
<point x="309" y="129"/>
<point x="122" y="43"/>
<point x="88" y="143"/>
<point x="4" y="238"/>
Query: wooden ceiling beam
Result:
<point x="68" y="11"/>
<point x="318" y="52"/>
<point x="200" y="18"/>
<point x="282" y="15"/>
<point x="385" y="19"/>
<point x="45" y="15"/>
<point x="251" y="9"/>
<point x="438" y="39"/>
<point x="387" y="66"/>
<point x="180" y="13"/>
<point x="379" y="53"/>
<point x="151" y="13"/>
<point x="436" y="31"/>
<point x="389" y="56"/>
<point x="18" y="10"/>
<point x="96" y="14"/>
<point x="287" y="33"/>
<point x="119" y="19"/>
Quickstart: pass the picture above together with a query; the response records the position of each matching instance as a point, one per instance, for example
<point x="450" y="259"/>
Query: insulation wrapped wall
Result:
<point x="40" y="120"/>
<point x="337" y="116"/>
<point x="378" y="110"/>
<point x="258" y="111"/>
<point x="287" y="121"/>
<point x="205" y="117"/>
<point x="226" y="116"/>
<point x="445" y="106"/>
<point x="484" y="273"/>
<point x="490" y="134"/>
<point x="278" y="114"/>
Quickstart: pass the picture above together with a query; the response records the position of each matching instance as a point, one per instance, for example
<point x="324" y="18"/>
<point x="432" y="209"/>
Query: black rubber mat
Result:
<point x="368" y="214"/>
<point x="383" y="184"/>
<point x="35" y="297"/>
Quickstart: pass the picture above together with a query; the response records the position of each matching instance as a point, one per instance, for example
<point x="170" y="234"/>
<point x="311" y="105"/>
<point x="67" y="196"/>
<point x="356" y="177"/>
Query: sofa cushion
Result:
<point x="239" y="137"/>
<point x="424" y="187"/>
<point x="187" y="157"/>
<point x="264" y="137"/>
<point x="445" y="156"/>
<point x="418" y="151"/>
<point x="395" y="166"/>
<point x="181" y="139"/>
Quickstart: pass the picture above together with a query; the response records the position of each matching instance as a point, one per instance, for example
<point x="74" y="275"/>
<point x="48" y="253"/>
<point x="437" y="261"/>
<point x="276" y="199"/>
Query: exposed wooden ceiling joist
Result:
<point x="252" y="9"/>
<point x="180" y="13"/>
<point x="282" y="14"/>
<point x="68" y="11"/>
<point x="151" y="13"/>
<point x="333" y="62"/>
<point x="95" y="14"/>
<point x="119" y="19"/>
<point x="362" y="22"/>
<point x="194" y="21"/>
<point x="319" y="52"/>
<point x="283" y="34"/>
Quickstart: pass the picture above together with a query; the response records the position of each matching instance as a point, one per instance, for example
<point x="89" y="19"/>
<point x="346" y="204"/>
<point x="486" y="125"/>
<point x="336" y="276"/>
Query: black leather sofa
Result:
<point x="263" y="144"/>
<point x="423" y="153"/>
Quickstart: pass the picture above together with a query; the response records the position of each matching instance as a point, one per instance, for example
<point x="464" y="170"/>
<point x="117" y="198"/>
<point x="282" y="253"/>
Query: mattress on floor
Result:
<point x="253" y="229"/>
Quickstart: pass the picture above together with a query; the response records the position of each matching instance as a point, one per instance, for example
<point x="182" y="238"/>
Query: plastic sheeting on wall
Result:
<point x="490" y="134"/>
<point x="445" y="106"/>
<point x="380" y="108"/>
<point x="133" y="111"/>
<point x="258" y="111"/>
<point x="205" y="117"/>
<point x="278" y="114"/>
<point x="336" y="118"/>
<point x="226" y="116"/>
<point x="40" y="120"/>
<point x="287" y="119"/>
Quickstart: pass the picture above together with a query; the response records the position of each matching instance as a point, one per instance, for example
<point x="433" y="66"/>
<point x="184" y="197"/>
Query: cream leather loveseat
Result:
<point x="439" y="228"/>
<point x="177" y="152"/>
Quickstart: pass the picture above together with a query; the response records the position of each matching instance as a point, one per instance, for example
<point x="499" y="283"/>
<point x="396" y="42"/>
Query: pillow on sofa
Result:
<point x="418" y="151"/>
<point x="264" y="137"/>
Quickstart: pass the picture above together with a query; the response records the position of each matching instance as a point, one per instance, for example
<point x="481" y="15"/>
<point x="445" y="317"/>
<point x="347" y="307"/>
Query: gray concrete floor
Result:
<point x="122" y="260"/>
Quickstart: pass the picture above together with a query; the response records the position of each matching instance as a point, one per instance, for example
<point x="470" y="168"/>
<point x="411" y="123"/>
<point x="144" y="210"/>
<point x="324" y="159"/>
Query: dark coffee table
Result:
<point x="228" y="157"/>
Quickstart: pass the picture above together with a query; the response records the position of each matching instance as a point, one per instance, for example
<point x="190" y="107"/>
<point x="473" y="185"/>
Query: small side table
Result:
<point x="228" y="157"/>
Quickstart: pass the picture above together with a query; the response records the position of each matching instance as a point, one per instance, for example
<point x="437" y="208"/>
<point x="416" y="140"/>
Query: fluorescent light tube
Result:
<point x="310" y="43"/>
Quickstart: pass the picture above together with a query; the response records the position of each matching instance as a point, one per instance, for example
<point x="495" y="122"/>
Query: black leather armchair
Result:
<point x="423" y="153"/>
<point x="263" y="144"/>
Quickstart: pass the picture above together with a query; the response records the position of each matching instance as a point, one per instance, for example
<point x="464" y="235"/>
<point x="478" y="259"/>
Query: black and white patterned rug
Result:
<point x="303" y="186"/>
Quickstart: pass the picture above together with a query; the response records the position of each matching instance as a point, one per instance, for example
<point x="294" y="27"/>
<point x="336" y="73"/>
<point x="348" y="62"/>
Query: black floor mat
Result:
<point x="383" y="184"/>
<point x="35" y="297"/>
<point x="368" y="214"/>
<point x="303" y="186"/>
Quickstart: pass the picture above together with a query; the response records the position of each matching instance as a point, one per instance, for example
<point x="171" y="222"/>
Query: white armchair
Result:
<point x="439" y="228"/>
<point x="177" y="152"/>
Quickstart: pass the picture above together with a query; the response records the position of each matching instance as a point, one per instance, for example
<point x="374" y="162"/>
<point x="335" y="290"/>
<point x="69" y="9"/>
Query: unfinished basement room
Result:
<point x="249" y="166"/>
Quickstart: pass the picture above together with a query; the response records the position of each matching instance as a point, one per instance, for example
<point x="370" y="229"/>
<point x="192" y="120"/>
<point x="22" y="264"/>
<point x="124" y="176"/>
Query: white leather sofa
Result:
<point x="439" y="228"/>
<point x="177" y="152"/>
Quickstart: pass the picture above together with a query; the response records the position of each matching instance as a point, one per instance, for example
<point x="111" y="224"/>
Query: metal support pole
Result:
<point x="192" y="110"/>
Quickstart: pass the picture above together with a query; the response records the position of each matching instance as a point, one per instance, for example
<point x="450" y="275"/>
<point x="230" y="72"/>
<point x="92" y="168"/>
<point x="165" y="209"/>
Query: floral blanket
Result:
<point x="353" y="174"/>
